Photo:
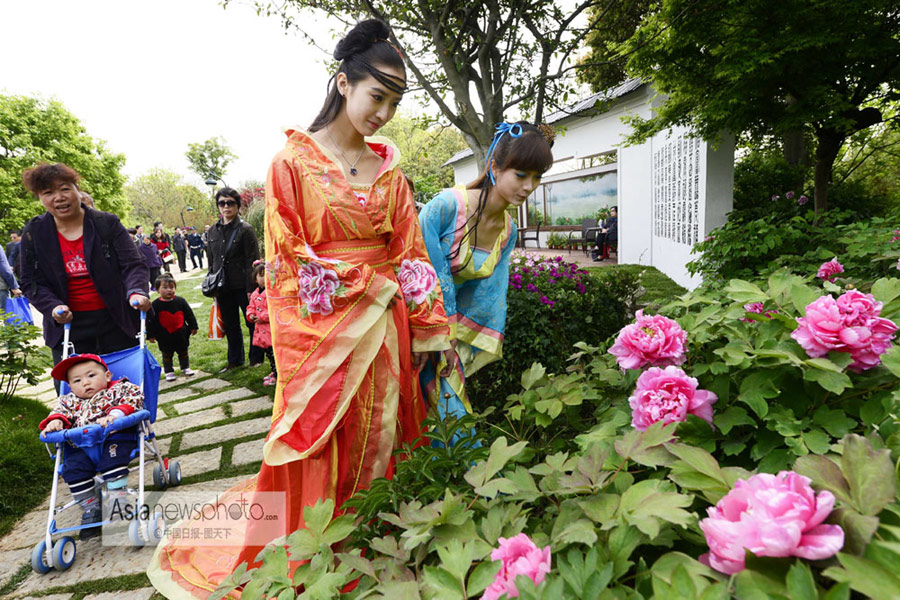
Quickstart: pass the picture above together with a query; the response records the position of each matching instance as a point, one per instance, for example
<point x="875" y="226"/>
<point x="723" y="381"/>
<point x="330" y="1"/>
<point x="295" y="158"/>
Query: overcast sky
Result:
<point x="151" y="76"/>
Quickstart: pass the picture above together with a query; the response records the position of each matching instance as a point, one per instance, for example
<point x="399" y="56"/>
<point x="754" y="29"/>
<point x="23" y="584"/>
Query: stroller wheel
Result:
<point x="134" y="534"/>
<point x="174" y="473"/>
<point x="156" y="528"/>
<point x="39" y="558"/>
<point x="159" y="477"/>
<point x="63" y="554"/>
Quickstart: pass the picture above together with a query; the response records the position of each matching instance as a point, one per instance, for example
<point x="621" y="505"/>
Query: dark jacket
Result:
<point x="150" y="254"/>
<point x="612" y="229"/>
<point x="243" y="251"/>
<point x="115" y="266"/>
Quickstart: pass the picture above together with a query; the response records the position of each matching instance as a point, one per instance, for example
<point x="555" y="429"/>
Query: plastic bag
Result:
<point x="19" y="310"/>
<point x="216" y="324"/>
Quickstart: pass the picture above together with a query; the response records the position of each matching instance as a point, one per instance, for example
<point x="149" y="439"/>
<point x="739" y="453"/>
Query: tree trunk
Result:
<point x="795" y="149"/>
<point x="829" y="144"/>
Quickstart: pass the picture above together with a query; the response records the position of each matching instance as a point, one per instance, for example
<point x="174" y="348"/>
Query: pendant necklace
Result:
<point x="353" y="170"/>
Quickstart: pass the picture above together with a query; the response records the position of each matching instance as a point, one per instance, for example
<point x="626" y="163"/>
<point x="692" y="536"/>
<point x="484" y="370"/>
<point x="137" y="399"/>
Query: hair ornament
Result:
<point x="513" y="129"/>
<point x="548" y="132"/>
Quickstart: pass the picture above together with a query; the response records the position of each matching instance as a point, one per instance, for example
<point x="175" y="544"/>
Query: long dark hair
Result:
<point x="361" y="52"/>
<point x="530" y="151"/>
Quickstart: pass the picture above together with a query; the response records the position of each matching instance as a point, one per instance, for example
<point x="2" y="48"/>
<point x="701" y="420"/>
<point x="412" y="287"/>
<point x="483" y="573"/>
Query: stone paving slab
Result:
<point x="247" y="452"/>
<point x="50" y="597"/>
<point x="191" y="464"/>
<point x="92" y="561"/>
<point x="196" y="304"/>
<point x="212" y="400"/>
<point x="231" y="431"/>
<point x="211" y="384"/>
<point x="167" y="385"/>
<point x="141" y="594"/>
<point x="12" y="560"/>
<point x="245" y="407"/>
<point x="178" y="394"/>
<point x="39" y="388"/>
<point x="30" y="529"/>
<point x="175" y="424"/>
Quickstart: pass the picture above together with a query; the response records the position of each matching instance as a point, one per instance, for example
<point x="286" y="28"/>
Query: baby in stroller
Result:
<point x="94" y="399"/>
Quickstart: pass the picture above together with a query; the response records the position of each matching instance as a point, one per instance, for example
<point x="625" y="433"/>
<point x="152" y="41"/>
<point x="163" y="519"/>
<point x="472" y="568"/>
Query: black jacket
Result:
<point x="241" y="254"/>
<point x="114" y="264"/>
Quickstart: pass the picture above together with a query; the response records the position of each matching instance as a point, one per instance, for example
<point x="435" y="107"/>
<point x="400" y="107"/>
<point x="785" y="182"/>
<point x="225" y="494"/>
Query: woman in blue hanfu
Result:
<point x="470" y="234"/>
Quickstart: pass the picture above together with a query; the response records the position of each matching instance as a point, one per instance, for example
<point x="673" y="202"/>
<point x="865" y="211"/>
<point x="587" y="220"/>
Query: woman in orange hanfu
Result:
<point x="341" y="232"/>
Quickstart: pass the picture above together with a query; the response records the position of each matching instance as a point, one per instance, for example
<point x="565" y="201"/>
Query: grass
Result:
<point x="25" y="466"/>
<point x="660" y="288"/>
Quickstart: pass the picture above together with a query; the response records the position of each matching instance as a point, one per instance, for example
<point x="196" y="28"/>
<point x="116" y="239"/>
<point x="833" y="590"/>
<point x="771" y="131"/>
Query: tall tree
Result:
<point x="475" y="60"/>
<point x="161" y="195"/>
<point x="603" y="59"/>
<point x="34" y="130"/>
<point x="771" y="67"/>
<point x="210" y="157"/>
<point x="423" y="151"/>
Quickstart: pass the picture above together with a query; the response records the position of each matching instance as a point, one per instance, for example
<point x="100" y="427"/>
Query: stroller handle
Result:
<point x="67" y="330"/>
<point x="90" y="435"/>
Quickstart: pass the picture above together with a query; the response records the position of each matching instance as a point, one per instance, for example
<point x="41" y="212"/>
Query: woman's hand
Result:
<point x="419" y="359"/>
<point x="139" y="302"/>
<point x="62" y="314"/>
<point x="16" y="292"/>
<point x="452" y="358"/>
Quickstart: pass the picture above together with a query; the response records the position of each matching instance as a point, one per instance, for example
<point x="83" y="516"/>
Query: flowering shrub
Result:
<point x="519" y="556"/>
<point x="654" y="340"/>
<point x="770" y="515"/>
<point x="668" y="396"/>
<point x="628" y="513"/>
<point x="551" y="305"/>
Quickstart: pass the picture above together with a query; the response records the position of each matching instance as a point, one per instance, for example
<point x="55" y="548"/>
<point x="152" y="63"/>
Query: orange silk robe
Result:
<point x="343" y="329"/>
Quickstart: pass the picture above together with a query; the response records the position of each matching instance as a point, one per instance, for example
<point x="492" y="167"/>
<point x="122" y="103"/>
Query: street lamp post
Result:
<point x="186" y="208"/>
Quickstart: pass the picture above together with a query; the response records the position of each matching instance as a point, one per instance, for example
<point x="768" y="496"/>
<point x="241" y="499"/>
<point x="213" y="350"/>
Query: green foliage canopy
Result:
<point x="34" y="130"/>
<point x="209" y="157"/>
<point x="161" y="195"/>
<point x="770" y="67"/>
<point x="423" y="151"/>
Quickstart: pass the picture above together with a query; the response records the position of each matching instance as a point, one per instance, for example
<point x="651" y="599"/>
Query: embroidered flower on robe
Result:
<point x="418" y="281"/>
<point x="318" y="286"/>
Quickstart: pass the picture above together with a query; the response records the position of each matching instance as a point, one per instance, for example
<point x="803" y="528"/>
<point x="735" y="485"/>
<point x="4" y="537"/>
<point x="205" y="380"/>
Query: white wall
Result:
<point x="638" y="242"/>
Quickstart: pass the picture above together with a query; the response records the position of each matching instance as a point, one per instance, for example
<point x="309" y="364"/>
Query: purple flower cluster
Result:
<point x="546" y="277"/>
<point x="790" y="196"/>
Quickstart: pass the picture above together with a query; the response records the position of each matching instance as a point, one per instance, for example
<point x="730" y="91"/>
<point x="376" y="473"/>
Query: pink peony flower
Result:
<point x="668" y="395"/>
<point x="520" y="556"/>
<point x="802" y="200"/>
<point x="829" y="269"/>
<point x="417" y="280"/>
<point x="770" y="515"/>
<point x="654" y="340"/>
<point x="757" y="308"/>
<point x="849" y="324"/>
<point x="789" y="195"/>
<point x="317" y="286"/>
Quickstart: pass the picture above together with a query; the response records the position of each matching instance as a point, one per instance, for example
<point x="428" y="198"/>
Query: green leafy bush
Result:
<point x="551" y="305"/>
<point x="20" y="359"/>
<point x="620" y="508"/>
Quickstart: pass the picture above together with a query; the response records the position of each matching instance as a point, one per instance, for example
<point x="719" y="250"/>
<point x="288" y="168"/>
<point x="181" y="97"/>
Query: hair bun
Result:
<point x="361" y="38"/>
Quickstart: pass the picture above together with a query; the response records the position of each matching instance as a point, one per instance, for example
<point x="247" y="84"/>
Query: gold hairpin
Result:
<point x="548" y="132"/>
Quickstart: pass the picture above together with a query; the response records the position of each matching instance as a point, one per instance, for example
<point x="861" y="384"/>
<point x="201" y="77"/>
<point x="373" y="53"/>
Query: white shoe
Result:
<point x="171" y="377"/>
<point x="187" y="372"/>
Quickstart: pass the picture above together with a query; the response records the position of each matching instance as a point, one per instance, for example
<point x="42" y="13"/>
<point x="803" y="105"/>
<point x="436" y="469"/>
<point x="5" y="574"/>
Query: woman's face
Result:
<point x="514" y="186"/>
<point x="62" y="200"/>
<point x="228" y="208"/>
<point x="369" y="104"/>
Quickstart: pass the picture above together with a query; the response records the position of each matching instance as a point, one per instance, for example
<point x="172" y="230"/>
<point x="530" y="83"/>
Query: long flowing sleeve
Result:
<point x="419" y="280"/>
<point x="438" y="222"/>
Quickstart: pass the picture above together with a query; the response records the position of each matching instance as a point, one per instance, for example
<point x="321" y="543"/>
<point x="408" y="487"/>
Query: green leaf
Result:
<point x="731" y="418"/>
<point x="636" y="444"/>
<point x="858" y="529"/>
<point x="886" y="289"/>
<point x="802" y="296"/>
<point x="756" y="389"/>
<point x="800" y="583"/>
<point x="318" y="516"/>
<point x="835" y="422"/>
<point x="865" y="576"/>
<point x="744" y="292"/>
<point x="891" y="360"/>
<point x="869" y="473"/>
<point x="666" y="565"/>
<point x="697" y="458"/>
<point x="339" y="529"/>
<point x="482" y="576"/>
<point x="647" y="502"/>
<point x="835" y="383"/>
<point x="500" y="454"/>
<point x="533" y="375"/>
<point x="817" y="441"/>
<point x="442" y="583"/>
<point x="600" y="508"/>
<point x="824" y="473"/>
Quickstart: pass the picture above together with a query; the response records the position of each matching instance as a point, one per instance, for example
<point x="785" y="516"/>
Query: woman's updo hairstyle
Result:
<point x="363" y="50"/>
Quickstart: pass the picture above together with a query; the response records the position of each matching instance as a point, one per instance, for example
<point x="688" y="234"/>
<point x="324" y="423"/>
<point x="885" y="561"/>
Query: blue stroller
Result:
<point x="139" y="365"/>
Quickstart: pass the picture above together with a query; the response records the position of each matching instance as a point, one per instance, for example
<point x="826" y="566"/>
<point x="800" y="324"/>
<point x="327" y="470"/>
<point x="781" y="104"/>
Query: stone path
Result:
<point x="210" y="426"/>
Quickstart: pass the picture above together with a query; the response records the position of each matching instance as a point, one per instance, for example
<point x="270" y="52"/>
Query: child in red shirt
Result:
<point x="258" y="314"/>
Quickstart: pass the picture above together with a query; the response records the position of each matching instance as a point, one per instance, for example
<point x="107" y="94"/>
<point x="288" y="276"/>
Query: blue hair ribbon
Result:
<point x="513" y="129"/>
